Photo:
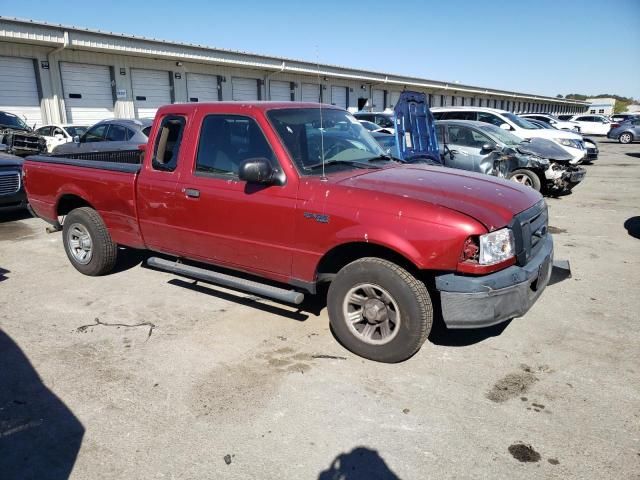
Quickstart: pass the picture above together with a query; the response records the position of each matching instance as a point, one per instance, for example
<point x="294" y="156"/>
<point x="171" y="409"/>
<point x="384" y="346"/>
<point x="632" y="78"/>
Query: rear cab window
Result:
<point x="167" y="145"/>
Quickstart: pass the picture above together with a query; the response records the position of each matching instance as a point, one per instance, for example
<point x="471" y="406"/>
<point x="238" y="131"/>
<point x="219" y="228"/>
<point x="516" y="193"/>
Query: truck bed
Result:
<point x="107" y="186"/>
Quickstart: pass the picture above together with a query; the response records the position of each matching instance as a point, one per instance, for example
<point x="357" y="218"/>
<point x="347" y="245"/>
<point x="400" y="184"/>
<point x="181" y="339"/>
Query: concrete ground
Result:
<point x="218" y="384"/>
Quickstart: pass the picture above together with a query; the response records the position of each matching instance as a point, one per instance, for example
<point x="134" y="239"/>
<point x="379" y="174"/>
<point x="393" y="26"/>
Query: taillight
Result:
<point x="614" y="125"/>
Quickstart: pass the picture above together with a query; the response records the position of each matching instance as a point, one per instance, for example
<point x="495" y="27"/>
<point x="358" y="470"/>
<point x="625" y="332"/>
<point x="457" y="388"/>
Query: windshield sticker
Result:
<point x="407" y="139"/>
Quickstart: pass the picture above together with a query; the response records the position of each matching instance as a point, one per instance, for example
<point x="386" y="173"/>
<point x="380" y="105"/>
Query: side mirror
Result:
<point x="76" y="139"/>
<point x="256" y="170"/>
<point x="505" y="126"/>
<point x="488" y="147"/>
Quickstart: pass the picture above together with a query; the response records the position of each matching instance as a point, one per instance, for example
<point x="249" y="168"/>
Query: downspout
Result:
<point x="267" y="90"/>
<point x="57" y="101"/>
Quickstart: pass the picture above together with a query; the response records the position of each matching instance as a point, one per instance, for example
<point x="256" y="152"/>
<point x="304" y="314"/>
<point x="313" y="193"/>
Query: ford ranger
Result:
<point x="286" y="197"/>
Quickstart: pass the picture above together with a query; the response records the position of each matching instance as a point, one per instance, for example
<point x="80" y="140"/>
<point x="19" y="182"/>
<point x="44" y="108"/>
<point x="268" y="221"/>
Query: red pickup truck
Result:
<point x="291" y="196"/>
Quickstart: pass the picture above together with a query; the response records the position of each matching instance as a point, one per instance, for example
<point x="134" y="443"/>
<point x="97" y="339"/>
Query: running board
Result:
<point x="290" y="296"/>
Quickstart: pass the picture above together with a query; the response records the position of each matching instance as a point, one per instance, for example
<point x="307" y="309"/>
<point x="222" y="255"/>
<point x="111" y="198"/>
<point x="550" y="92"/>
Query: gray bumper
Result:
<point x="472" y="302"/>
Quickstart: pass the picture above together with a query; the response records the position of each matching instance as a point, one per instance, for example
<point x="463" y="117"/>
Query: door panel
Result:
<point x="465" y="146"/>
<point x="226" y="221"/>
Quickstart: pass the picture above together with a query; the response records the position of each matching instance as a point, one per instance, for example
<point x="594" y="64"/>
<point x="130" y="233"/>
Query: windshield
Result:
<point x="501" y="134"/>
<point x="13" y="121"/>
<point x="342" y="140"/>
<point x="388" y="144"/>
<point x="73" y="131"/>
<point x="520" y="122"/>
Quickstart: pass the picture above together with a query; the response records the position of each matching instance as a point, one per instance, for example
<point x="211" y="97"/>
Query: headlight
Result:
<point x="496" y="247"/>
<point x="567" y="142"/>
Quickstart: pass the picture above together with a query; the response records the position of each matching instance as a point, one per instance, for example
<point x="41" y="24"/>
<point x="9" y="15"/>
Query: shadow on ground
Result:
<point x="361" y="463"/>
<point x="636" y="155"/>
<point x="39" y="436"/>
<point x="633" y="226"/>
<point x="3" y="274"/>
<point x="14" y="216"/>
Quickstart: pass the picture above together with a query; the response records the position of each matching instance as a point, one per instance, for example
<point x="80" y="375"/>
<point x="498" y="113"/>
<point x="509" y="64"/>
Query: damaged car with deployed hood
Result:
<point x="19" y="137"/>
<point x="480" y="147"/>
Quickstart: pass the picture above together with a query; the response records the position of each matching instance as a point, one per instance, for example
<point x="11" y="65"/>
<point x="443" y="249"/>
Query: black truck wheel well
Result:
<point x="342" y="255"/>
<point x="69" y="202"/>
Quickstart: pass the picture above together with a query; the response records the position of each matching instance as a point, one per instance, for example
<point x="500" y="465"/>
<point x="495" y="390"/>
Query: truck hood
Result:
<point x="7" y="160"/>
<point x="415" y="128"/>
<point x="491" y="201"/>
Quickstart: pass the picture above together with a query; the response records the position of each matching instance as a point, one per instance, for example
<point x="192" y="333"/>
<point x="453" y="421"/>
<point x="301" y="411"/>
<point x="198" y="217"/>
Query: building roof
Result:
<point x="58" y="35"/>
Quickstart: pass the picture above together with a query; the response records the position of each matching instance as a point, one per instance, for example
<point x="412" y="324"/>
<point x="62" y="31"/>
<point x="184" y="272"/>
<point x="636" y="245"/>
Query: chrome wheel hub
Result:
<point x="371" y="314"/>
<point x="80" y="244"/>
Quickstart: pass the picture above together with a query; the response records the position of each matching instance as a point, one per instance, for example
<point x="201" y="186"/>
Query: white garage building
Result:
<point x="63" y="74"/>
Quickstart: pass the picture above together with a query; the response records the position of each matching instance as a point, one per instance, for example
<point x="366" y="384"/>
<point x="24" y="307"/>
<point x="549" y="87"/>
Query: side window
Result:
<point x="116" y="133"/>
<point x="440" y="134"/>
<point x="228" y="140"/>
<point x="45" y="131"/>
<point x="96" y="134"/>
<point x="165" y="153"/>
<point x="490" y="118"/>
<point x="146" y="131"/>
<point x="438" y="115"/>
<point x="384" y="122"/>
<point x="466" y="137"/>
<point x="461" y="115"/>
<point x="57" y="131"/>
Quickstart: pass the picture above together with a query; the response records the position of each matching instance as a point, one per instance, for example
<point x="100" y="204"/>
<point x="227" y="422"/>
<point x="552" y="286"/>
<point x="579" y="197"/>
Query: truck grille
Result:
<point x="9" y="183"/>
<point x="26" y="142"/>
<point x="530" y="228"/>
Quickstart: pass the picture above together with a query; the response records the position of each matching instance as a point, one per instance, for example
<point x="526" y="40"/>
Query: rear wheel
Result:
<point x="87" y="242"/>
<point x="626" y="137"/>
<point x="527" y="178"/>
<point x="378" y="310"/>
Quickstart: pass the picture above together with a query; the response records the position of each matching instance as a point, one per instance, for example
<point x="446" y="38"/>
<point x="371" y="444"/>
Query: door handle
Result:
<point x="191" y="192"/>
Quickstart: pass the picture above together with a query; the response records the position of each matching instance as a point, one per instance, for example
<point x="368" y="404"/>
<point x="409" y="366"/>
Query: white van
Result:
<point x="571" y="142"/>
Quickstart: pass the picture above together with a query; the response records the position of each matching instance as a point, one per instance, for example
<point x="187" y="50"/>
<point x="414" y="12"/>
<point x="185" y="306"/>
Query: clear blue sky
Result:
<point x="545" y="47"/>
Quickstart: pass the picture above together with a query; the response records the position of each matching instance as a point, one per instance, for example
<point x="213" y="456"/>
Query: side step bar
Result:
<point x="290" y="296"/>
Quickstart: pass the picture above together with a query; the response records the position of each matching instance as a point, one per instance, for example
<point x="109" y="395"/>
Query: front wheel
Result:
<point x="527" y="178"/>
<point x="378" y="310"/>
<point x="626" y="137"/>
<point x="87" y="242"/>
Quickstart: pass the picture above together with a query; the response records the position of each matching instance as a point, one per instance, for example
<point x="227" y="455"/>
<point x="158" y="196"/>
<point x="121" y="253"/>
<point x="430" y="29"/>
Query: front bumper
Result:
<point x="473" y="302"/>
<point x="16" y="201"/>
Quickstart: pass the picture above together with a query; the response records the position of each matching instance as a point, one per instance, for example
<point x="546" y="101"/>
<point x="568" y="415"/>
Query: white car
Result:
<point x="553" y="121"/>
<point x="58" y="134"/>
<point x="571" y="142"/>
<point x="592" y="124"/>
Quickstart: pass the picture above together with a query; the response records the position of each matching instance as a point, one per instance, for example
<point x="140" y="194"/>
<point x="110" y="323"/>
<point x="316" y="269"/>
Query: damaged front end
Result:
<point x="22" y="143"/>
<point x="560" y="175"/>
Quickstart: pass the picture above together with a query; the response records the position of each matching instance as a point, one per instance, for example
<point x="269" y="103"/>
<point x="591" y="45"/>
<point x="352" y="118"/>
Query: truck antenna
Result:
<point x="323" y="178"/>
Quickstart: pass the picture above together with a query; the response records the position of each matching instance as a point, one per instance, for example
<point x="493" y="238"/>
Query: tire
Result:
<point x="84" y="231"/>
<point x="399" y="304"/>
<point x="527" y="178"/>
<point x="625" y="138"/>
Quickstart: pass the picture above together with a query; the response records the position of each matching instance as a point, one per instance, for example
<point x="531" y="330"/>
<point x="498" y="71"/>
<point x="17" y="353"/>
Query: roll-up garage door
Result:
<point x="151" y="90"/>
<point x="279" y="91"/>
<point x="393" y="99"/>
<point x="245" y="89"/>
<point x="339" y="96"/>
<point x="202" y="88"/>
<point x="378" y="100"/>
<point x="88" y="97"/>
<point x="19" y="89"/>
<point x="310" y="92"/>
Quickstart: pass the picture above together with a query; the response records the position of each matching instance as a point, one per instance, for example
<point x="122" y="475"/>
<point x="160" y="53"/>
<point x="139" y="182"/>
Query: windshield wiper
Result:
<point x="386" y="158"/>
<point x="352" y="163"/>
